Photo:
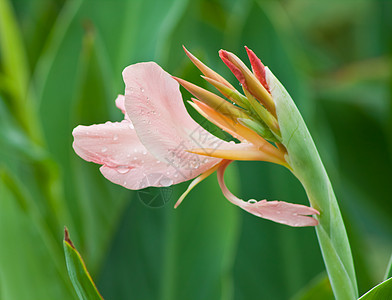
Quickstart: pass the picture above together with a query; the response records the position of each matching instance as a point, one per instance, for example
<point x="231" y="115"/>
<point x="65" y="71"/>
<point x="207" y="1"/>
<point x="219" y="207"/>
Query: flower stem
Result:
<point x="306" y="165"/>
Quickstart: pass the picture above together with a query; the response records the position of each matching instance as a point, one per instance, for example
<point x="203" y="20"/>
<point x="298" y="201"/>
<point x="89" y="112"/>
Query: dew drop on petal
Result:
<point x="166" y="182"/>
<point x="122" y="169"/>
<point x="158" y="161"/>
<point x="115" y="137"/>
<point x="104" y="149"/>
<point x="252" y="201"/>
<point x="145" y="152"/>
<point x="131" y="126"/>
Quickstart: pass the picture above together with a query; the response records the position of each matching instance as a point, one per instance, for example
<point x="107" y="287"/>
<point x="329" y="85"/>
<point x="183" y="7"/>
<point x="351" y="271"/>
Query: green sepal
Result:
<point x="263" y="114"/>
<point x="260" y="128"/>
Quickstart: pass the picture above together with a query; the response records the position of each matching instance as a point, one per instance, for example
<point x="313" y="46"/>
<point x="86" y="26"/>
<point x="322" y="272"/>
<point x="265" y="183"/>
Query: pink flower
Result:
<point x="159" y="144"/>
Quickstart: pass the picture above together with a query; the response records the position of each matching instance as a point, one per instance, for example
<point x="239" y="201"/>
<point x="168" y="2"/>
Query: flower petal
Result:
<point x="120" y="100"/>
<point x="277" y="211"/>
<point x="124" y="158"/>
<point x="154" y="103"/>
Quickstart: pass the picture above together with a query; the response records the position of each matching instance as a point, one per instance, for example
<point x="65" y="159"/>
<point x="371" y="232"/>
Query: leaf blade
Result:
<point x="78" y="273"/>
<point x="381" y="291"/>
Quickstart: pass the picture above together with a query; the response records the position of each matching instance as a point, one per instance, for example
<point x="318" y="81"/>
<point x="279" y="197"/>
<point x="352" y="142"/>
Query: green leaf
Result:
<point x="30" y="255"/>
<point x="308" y="168"/>
<point x="81" y="279"/>
<point x="16" y="72"/>
<point x="381" y="291"/>
<point x="173" y="254"/>
<point x="319" y="288"/>
<point x="388" y="272"/>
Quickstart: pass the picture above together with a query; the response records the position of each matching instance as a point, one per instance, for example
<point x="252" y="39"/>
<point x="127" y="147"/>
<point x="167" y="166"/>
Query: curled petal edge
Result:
<point x="295" y="215"/>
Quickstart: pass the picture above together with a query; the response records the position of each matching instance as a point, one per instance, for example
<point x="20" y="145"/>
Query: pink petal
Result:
<point x="277" y="211"/>
<point x="120" y="103"/>
<point x="154" y="104"/>
<point x="282" y="212"/>
<point x="124" y="159"/>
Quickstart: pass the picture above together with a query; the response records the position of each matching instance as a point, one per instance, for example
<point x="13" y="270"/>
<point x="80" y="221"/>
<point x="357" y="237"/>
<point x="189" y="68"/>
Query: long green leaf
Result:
<point x="81" y="279"/>
<point x="381" y="291"/>
<point x="307" y="166"/>
<point x="319" y="288"/>
<point x="388" y="272"/>
<point x="16" y="71"/>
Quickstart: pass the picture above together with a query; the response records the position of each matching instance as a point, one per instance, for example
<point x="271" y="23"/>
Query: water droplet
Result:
<point x="135" y="158"/>
<point x="278" y="212"/>
<point x="124" y="183"/>
<point x="115" y="137"/>
<point x="135" y="150"/>
<point x="145" y="152"/>
<point x="104" y="149"/>
<point x="142" y="90"/>
<point x="252" y="201"/>
<point x="122" y="169"/>
<point x="166" y="182"/>
<point x="231" y="142"/>
<point x="175" y="175"/>
<point x="194" y="164"/>
<point x="158" y="161"/>
<point x="131" y="126"/>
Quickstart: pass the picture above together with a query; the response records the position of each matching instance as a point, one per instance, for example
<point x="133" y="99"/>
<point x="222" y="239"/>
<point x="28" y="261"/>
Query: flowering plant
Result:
<point x="158" y="140"/>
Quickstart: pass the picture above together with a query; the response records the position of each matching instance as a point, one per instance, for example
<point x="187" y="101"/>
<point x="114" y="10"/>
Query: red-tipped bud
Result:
<point x="248" y="79"/>
<point x="257" y="68"/>
<point x="224" y="55"/>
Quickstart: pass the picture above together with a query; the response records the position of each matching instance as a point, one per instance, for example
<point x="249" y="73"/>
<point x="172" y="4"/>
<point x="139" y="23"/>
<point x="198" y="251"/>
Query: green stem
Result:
<point x="306" y="164"/>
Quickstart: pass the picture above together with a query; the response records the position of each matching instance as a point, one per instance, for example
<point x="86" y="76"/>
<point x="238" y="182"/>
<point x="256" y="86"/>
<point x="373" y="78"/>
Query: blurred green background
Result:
<point x="60" y="66"/>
